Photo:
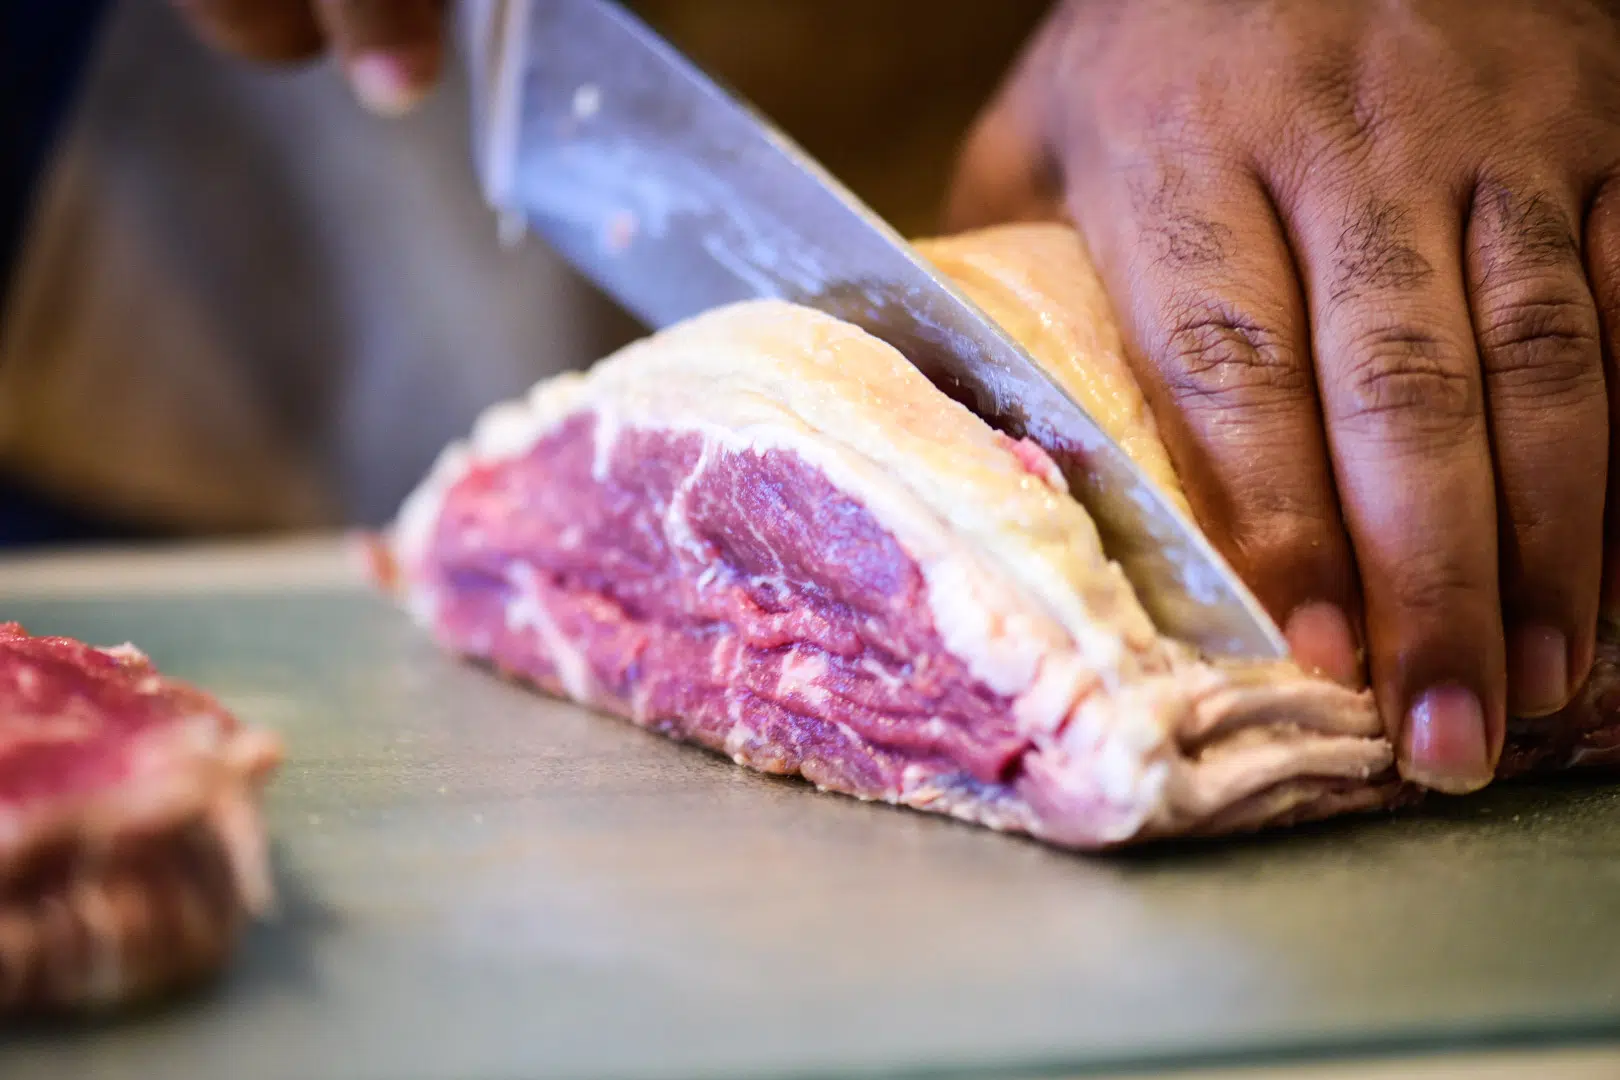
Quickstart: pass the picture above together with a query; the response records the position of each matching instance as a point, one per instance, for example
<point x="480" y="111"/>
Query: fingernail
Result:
<point x="1445" y="745"/>
<point x="1322" y="642"/>
<point x="1538" y="671"/>
<point x="385" y="84"/>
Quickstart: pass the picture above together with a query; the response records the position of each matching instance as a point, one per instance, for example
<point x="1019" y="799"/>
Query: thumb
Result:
<point x="1006" y="170"/>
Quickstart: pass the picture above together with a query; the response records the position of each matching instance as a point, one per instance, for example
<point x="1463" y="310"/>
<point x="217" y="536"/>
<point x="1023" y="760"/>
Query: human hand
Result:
<point x="1367" y="259"/>
<point x="391" y="50"/>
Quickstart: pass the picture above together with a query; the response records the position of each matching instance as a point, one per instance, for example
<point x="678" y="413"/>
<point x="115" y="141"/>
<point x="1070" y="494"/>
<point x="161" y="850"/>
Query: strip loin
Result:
<point x="131" y="848"/>
<point x="763" y="531"/>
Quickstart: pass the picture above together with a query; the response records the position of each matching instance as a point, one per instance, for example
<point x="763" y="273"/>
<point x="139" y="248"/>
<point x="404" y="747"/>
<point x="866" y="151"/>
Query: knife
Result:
<point x="674" y="197"/>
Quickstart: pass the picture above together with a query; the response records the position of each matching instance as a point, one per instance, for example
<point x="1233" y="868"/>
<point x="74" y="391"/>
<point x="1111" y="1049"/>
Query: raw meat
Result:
<point x="765" y="532"/>
<point x="131" y="850"/>
<point x="1037" y="284"/>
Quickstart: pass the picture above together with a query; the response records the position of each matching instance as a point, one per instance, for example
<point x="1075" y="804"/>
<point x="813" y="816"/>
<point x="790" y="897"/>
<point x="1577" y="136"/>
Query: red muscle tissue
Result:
<point x="131" y="848"/>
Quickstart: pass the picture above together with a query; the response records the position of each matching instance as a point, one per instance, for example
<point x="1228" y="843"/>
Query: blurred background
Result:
<point x="239" y="303"/>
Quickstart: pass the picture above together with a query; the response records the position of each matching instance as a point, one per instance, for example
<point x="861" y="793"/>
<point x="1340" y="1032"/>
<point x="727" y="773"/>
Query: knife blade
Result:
<point x="674" y="196"/>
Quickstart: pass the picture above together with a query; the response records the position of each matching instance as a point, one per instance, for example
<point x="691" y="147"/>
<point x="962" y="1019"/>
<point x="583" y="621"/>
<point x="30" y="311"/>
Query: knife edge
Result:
<point x="665" y="212"/>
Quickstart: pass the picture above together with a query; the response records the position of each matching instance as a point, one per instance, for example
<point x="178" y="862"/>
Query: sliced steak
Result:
<point x="131" y="849"/>
<point x="763" y="531"/>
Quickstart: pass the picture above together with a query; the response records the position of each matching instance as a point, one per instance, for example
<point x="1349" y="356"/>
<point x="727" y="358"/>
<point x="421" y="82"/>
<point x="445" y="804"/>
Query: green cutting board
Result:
<point x="481" y="884"/>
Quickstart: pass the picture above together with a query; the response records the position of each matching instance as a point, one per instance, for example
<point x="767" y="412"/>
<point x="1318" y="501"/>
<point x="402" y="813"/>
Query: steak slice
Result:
<point x="131" y="848"/>
<point x="763" y="531"/>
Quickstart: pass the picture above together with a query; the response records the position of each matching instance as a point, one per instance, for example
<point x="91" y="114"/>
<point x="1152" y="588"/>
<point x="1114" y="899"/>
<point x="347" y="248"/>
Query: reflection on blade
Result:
<point x="675" y="198"/>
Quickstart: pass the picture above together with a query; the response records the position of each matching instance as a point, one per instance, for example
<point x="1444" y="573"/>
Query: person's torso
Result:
<point x="243" y="303"/>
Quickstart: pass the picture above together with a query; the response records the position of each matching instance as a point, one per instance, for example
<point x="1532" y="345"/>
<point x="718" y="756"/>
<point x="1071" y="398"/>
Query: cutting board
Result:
<point x="478" y="883"/>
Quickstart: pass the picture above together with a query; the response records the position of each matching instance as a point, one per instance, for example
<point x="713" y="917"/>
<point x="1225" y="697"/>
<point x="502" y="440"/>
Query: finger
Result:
<point x="1217" y="330"/>
<point x="1404" y="403"/>
<point x="1603" y="271"/>
<point x="270" y="31"/>
<point x="392" y="50"/>
<point x="1536" y="326"/>
<point x="1005" y="171"/>
<point x="1003" y="174"/>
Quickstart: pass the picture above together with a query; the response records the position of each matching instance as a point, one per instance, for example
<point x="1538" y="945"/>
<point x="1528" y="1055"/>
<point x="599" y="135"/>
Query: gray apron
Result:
<point x="245" y="304"/>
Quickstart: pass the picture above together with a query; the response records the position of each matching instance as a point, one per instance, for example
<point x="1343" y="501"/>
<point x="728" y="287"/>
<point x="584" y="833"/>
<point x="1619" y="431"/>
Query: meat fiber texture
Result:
<point x="763" y="531"/>
<point x="131" y="848"/>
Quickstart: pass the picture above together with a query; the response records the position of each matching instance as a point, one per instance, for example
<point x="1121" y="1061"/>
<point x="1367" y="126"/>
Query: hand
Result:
<point x="391" y="50"/>
<point x="1367" y="258"/>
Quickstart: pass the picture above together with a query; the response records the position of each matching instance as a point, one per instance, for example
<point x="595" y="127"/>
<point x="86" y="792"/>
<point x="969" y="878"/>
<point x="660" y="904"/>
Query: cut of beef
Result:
<point x="765" y="532"/>
<point x="131" y="849"/>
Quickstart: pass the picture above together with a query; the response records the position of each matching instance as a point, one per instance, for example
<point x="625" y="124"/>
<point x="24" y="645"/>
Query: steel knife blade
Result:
<point x="674" y="196"/>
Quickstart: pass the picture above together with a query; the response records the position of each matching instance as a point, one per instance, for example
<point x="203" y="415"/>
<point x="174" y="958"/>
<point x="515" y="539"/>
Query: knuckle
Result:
<point x="1279" y="510"/>
<point x="1536" y="543"/>
<point x="1405" y="382"/>
<point x="1539" y="559"/>
<point x="1336" y="105"/>
<point x="1432" y="587"/>
<point x="1352" y="109"/>
<point x="1173" y="111"/>
<point x="1287" y="536"/>
<point x="1220" y="358"/>
<point x="1551" y="489"/>
<point x="1545" y="347"/>
<point x="1153" y="111"/>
